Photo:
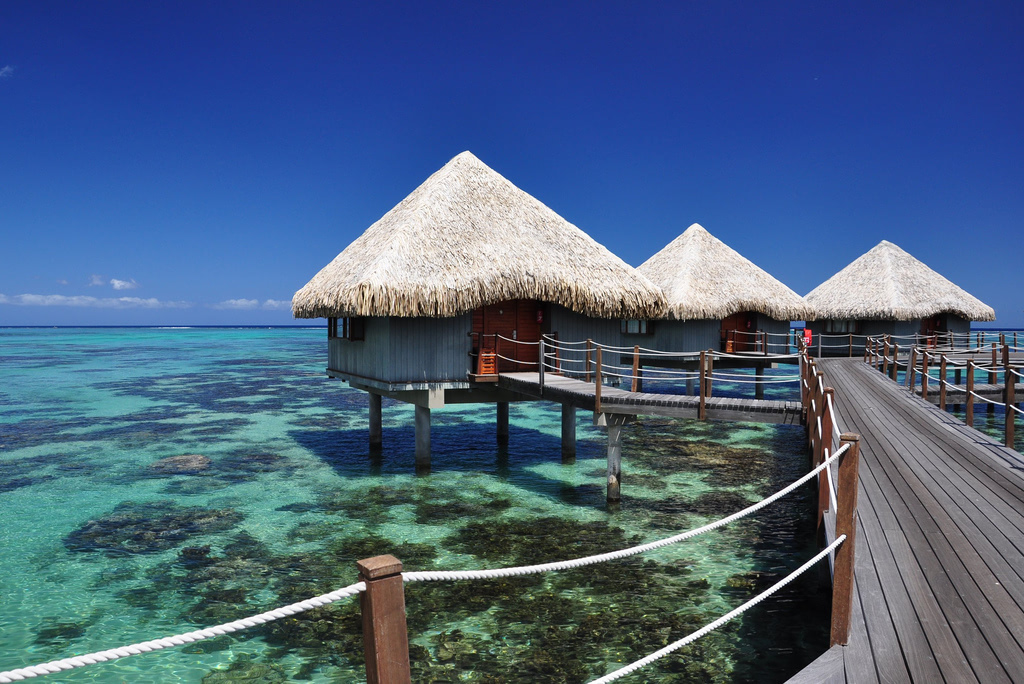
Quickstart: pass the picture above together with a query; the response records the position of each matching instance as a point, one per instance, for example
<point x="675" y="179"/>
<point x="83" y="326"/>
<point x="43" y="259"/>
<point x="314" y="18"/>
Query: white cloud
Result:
<point x="62" y="281"/>
<point x="277" y="304"/>
<point x="237" y="304"/>
<point x="96" y="280"/>
<point x="250" y="304"/>
<point x="91" y="302"/>
<point x="124" y="284"/>
<point x="7" y="71"/>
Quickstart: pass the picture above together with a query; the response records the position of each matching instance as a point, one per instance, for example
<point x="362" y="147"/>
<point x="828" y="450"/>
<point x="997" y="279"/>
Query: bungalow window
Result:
<point x="349" y="328"/>
<point x="636" y="327"/>
<point x="833" y="327"/>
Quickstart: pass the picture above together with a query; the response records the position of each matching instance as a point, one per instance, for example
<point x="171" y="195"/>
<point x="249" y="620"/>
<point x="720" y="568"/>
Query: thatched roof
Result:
<point x="888" y="283"/>
<point x="468" y="237"/>
<point x="703" y="277"/>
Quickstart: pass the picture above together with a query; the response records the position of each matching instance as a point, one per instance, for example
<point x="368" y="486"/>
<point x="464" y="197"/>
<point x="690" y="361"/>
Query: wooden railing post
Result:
<point x="942" y="383"/>
<point x="709" y="375"/>
<point x="636" y="368"/>
<point x="912" y="370"/>
<point x="385" y="637"/>
<point x="589" y="343"/>
<point x="826" y="445"/>
<point x="895" y="362"/>
<point x="992" y="379"/>
<point x="851" y="345"/>
<point x="540" y="366"/>
<point x="1010" y="400"/>
<point x="765" y="345"/>
<point x="867" y="344"/>
<point x="924" y="375"/>
<point x="885" y="359"/>
<point x="597" y="381"/>
<point x="846" y="523"/>
<point x="969" y="416"/>
<point x="818" y="382"/>
<point x="701" y="408"/>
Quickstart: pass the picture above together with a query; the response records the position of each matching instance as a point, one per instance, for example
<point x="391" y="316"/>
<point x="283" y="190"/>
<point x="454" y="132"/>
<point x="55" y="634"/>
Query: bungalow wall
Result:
<point x="406" y="350"/>
<point x="574" y="327"/>
<point x="680" y="336"/>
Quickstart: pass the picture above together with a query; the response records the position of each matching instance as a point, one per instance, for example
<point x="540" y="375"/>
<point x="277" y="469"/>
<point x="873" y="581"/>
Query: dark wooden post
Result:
<point x="912" y="371"/>
<point x="826" y="443"/>
<point x="817" y="383"/>
<point x="924" y="375"/>
<point x="851" y="345"/>
<point x="895" y="362"/>
<point x="992" y="379"/>
<point x="942" y="383"/>
<point x="636" y="368"/>
<point x="709" y="376"/>
<point x="588" y="359"/>
<point x="376" y="430"/>
<point x="1010" y="399"/>
<point x="765" y="336"/>
<point x="701" y="408"/>
<point x="385" y="638"/>
<point x="867" y="344"/>
<point x="846" y="523"/>
<point x="969" y="417"/>
<point x="540" y="366"/>
<point x="885" y="359"/>
<point x="819" y="345"/>
<point x="597" y="381"/>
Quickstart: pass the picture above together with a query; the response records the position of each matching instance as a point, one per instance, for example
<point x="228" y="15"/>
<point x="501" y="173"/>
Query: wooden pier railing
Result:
<point x="998" y="358"/>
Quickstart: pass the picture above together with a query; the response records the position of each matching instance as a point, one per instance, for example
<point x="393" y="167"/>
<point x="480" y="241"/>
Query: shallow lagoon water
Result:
<point x="102" y="549"/>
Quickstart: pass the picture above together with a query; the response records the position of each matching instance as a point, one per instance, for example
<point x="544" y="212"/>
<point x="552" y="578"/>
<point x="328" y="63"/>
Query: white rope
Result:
<point x="831" y="491"/>
<point x="832" y="414"/>
<point x="990" y="401"/>
<point x="643" y="662"/>
<point x="189" y="637"/>
<point x="428" y="576"/>
<point x="509" y="339"/>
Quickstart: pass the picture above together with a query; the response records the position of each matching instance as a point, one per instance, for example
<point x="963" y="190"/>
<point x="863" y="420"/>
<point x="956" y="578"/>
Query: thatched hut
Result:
<point x="466" y="262"/>
<point x="888" y="291"/>
<point x="718" y="299"/>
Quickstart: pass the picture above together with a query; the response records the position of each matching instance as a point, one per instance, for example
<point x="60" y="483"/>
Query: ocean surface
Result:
<point x="106" y="542"/>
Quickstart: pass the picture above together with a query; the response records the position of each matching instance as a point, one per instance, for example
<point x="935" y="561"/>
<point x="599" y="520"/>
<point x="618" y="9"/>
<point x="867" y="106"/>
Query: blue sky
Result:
<point x="196" y="163"/>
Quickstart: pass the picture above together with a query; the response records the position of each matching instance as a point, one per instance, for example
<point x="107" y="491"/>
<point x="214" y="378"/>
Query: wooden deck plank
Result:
<point x="942" y="506"/>
<point x="943" y="579"/>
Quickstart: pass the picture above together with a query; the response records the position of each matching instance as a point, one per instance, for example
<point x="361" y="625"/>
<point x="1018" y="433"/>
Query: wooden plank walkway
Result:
<point x="939" y="591"/>
<point x="614" y="400"/>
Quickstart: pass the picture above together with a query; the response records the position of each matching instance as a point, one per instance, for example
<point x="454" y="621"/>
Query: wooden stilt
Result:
<point x="614" y="460"/>
<point x="502" y="421"/>
<point x="422" y="439"/>
<point x="568" y="432"/>
<point x="376" y="423"/>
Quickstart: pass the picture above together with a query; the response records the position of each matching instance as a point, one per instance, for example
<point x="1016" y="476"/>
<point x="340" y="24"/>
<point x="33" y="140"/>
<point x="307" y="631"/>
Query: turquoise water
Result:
<point x="101" y="548"/>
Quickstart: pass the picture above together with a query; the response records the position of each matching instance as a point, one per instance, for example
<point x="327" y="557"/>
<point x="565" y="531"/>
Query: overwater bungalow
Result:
<point x="717" y="299"/>
<point x="886" y="291"/>
<point x="456" y="284"/>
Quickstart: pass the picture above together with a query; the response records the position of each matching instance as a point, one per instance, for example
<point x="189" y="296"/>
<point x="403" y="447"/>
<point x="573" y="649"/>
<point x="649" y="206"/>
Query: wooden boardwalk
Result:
<point x="581" y="394"/>
<point x="939" y="577"/>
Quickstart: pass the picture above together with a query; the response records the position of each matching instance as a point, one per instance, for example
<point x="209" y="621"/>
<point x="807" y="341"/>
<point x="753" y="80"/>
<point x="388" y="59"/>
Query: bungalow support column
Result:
<point x="759" y="382"/>
<point x="503" y="422"/>
<point x="614" y="460"/>
<point x="615" y="423"/>
<point x="422" y="439"/>
<point x="376" y="432"/>
<point x="568" y="432"/>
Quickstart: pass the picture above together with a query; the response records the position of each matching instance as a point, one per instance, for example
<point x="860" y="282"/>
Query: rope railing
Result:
<point x="455" y="575"/>
<point x="710" y="627"/>
<point x="928" y="364"/>
<point x="53" y="666"/>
